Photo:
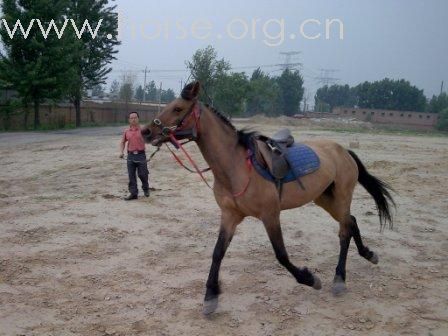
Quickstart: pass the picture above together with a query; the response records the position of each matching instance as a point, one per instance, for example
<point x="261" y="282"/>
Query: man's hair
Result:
<point x="132" y="113"/>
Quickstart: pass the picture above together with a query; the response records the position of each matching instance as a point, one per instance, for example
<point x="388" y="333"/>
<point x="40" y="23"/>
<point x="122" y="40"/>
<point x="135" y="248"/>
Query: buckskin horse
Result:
<point x="242" y="191"/>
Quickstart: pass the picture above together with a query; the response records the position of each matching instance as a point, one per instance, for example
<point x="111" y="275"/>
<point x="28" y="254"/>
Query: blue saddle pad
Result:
<point x="301" y="158"/>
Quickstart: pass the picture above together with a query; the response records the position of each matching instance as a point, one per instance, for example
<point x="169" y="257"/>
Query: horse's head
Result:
<point x="174" y="118"/>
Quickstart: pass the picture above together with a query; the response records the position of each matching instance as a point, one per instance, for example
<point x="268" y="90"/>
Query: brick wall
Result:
<point x="402" y="118"/>
<point x="91" y="113"/>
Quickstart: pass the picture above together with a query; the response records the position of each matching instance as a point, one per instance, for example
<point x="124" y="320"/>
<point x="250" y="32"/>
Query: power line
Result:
<point x="288" y="64"/>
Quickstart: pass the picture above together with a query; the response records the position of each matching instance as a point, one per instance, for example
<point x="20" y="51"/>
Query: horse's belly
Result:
<point x="314" y="185"/>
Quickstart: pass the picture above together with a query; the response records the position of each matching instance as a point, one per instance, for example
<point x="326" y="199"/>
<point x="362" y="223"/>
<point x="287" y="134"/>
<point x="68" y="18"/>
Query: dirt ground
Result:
<point x="77" y="260"/>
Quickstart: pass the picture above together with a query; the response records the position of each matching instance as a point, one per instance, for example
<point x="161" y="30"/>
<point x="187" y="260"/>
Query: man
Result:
<point x="136" y="157"/>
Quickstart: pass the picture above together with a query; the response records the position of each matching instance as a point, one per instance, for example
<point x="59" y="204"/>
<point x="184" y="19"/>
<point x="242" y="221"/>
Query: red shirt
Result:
<point x="134" y="138"/>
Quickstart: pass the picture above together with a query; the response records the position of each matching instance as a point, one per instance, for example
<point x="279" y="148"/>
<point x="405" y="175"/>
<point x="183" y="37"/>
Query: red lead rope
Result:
<point x="200" y="172"/>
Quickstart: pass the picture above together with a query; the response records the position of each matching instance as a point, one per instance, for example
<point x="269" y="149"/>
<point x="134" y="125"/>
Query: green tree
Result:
<point x="206" y="68"/>
<point x="262" y="95"/>
<point x="390" y="95"/>
<point x="114" y="91"/>
<point x="442" y="124"/>
<point x="152" y="93"/>
<point x="230" y="94"/>
<point x="438" y="103"/>
<point x="98" y="91"/>
<point x="291" y="92"/>
<point x="328" y="97"/>
<point x="139" y="93"/>
<point x="126" y="94"/>
<point x="167" y="95"/>
<point x="92" y="58"/>
<point x="127" y="90"/>
<point x="38" y="68"/>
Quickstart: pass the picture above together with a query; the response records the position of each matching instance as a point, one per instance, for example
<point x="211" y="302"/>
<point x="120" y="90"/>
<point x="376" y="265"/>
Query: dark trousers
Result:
<point x="137" y="165"/>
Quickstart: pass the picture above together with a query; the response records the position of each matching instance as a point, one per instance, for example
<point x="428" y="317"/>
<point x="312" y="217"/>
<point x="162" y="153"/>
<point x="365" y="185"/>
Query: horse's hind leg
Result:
<point x="345" y="236"/>
<point x="302" y="275"/>
<point x="229" y="221"/>
<point x="348" y="228"/>
<point x="339" y="209"/>
<point x="363" y="250"/>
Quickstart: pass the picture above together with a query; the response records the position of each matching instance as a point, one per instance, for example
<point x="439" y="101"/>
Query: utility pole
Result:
<point x="326" y="78"/>
<point x="160" y="96"/>
<point x="306" y="99"/>
<point x="144" y="86"/>
<point x="288" y="65"/>
<point x="441" y="88"/>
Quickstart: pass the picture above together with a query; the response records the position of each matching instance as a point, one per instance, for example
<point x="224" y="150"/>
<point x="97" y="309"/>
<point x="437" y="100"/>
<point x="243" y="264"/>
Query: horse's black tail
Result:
<point x="378" y="189"/>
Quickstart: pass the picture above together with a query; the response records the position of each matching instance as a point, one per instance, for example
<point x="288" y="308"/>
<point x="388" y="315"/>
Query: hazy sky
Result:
<point x="381" y="38"/>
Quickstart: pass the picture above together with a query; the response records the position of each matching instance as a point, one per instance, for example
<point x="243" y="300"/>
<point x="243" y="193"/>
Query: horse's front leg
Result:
<point x="302" y="275"/>
<point x="229" y="221"/>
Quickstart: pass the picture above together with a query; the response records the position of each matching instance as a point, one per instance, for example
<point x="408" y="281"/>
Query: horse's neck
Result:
<point x="218" y="144"/>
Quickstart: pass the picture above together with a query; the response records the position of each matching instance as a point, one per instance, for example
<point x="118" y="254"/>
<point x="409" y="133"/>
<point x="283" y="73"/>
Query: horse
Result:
<point x="241" y="191"/>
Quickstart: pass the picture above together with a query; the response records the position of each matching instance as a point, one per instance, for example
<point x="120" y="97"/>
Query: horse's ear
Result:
<point x="191" y="91"/>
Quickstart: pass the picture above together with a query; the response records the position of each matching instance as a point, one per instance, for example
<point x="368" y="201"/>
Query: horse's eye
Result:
<point x="177" y="109"/>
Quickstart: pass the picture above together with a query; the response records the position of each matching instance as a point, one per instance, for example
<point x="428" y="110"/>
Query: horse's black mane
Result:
<point x="221" y="116"/>
<point x="244" y="135"/>
<point x="190" y="91"/>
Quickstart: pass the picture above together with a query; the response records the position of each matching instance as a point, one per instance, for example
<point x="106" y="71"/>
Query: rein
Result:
<point x="152" y="155"/>
<point x="179" y="145"/>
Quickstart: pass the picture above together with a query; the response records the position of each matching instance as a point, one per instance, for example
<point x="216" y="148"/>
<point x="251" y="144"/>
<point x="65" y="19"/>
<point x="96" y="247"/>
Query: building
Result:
<point x="420" y="120"/>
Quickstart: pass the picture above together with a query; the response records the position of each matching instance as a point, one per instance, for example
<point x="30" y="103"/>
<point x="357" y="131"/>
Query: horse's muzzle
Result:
<point x="147" y="135"/>
<point x="153" y="139"/>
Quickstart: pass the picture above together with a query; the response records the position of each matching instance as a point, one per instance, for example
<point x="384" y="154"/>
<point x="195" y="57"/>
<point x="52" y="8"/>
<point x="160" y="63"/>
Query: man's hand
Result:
<point x="121" y="156"/>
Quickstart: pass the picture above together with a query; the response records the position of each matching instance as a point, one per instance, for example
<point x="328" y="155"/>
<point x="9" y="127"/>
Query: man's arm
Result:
<point x="122" y="145"/>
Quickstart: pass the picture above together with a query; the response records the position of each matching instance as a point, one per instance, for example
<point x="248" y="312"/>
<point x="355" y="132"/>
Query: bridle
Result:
<point x="178" y="132"/>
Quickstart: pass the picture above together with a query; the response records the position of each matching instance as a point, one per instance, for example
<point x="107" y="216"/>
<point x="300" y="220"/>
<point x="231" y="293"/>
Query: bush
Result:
<point x="442" y="124"/>
<point x="7" y="110"/>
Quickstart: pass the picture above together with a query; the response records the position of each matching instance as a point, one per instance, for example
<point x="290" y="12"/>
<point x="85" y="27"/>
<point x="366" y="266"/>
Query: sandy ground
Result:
<point x="77" y="260"/>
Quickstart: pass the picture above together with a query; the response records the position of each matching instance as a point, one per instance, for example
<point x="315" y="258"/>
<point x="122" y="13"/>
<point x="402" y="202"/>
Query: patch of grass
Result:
<point x="52" y="127"/>
<point x="47" y="172"/>
<point x="47" y="198"/>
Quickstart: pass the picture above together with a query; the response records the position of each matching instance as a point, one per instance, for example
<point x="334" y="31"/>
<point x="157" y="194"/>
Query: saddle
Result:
<point x="271" y="152"/>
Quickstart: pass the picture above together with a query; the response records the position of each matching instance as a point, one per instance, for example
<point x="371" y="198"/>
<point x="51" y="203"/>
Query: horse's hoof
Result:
<point x="374" y="258"/>
<point x="210" y="306"/>
<point x="339" y="287"/>
<point x="317" y="283"/>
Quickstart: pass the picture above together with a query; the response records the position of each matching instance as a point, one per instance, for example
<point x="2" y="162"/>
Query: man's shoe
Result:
<point x="131" y="197"/>
<point x="146" y="192"/>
